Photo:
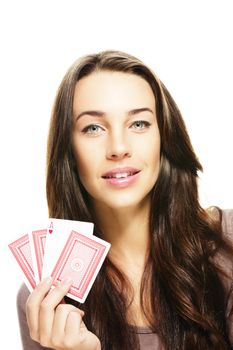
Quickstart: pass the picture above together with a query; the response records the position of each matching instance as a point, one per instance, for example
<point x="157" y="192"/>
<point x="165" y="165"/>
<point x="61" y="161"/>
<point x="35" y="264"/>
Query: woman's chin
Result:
<point x="122" y="204"/>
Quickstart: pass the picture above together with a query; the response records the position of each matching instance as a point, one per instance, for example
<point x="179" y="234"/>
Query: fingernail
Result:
<point x="66" y="281"/>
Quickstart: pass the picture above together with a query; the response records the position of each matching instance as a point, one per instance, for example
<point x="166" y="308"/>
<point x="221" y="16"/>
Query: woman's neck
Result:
<point x="127" y="229"/>
<point x="128" y="232"/>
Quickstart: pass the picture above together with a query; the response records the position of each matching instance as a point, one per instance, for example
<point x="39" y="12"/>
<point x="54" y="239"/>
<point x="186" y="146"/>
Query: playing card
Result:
<point x="37" y="239"/>
<point x="81" y="260"/>
<point x="57" y="234"/>
<point x="22" y="253"/>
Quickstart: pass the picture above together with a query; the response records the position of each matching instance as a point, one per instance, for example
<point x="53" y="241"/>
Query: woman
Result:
<point x="119" y="155"/>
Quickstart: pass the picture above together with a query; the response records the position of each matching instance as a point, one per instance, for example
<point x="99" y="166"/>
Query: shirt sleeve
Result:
<point x="27" y="342"/>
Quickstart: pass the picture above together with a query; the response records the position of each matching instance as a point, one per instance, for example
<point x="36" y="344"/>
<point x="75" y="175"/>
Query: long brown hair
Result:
<point x="185" y="292"/>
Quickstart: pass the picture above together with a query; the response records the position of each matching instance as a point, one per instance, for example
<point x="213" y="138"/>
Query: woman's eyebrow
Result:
<point x="91" y="113"/>
<point x="140" y="110"/>
<point x="94" y="113"/>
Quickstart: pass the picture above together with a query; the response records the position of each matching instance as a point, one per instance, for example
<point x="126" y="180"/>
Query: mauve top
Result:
<point x="148" y="339"/>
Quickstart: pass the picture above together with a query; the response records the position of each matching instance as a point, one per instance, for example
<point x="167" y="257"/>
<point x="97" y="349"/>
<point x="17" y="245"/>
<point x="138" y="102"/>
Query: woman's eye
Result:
<point x="92" y="129"/>
<point x="140" y="124"/>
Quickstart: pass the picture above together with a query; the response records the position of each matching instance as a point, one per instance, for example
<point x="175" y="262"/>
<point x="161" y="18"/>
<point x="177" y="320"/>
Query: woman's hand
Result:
<point x="57" y="325"/>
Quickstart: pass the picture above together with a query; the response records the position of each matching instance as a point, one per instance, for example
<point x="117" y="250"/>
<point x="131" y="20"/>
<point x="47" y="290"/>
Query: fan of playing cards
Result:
<point x="60" y="249"/>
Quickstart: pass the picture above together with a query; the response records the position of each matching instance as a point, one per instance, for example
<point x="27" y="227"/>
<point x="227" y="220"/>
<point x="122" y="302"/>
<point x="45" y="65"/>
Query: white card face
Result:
<point x="57" y="234"/>
<point x="37" y="239"/>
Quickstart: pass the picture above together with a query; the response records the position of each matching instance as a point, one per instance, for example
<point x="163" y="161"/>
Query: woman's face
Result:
<point x="116" y="139"/>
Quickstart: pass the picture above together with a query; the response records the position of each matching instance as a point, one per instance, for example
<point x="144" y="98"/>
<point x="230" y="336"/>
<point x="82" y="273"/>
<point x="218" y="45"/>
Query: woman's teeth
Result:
<point x="119" y="175"/>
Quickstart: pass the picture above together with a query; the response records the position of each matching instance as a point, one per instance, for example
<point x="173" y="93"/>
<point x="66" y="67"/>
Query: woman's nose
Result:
<point x="118" y="147"/>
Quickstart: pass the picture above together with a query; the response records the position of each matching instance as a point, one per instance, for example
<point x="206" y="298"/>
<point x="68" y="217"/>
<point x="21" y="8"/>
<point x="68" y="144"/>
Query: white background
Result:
<point x="187" y="43"/>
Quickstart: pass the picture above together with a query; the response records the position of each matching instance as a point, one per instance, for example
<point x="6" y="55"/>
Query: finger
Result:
<point x="33" y="306"/>
<point x="47" y="310"/>
<point x="60" y="317"/>
<point x="74" y="335"/>
<point x="59" y="324"/>
<point x="77" y="335"/>
<point x="74" y="322"/>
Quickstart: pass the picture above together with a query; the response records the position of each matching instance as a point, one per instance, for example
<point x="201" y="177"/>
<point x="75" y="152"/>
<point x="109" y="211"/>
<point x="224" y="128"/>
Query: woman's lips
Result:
<point x="121" y="177"/>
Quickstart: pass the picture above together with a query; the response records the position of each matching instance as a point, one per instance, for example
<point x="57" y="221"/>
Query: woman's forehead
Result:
<point x="108" y="89"/>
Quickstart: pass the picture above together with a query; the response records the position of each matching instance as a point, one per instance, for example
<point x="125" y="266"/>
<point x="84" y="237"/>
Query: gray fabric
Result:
<point x="148" y="339"/>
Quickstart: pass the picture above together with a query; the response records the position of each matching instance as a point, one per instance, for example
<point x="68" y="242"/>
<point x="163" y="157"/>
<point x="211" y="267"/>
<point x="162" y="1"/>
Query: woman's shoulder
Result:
<point x="227" y="222"/>
<point x="225" y="216"/>
<point x="223" y="257"/>
<point x="22" y="296"/>
<point x="227" y="228"/>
